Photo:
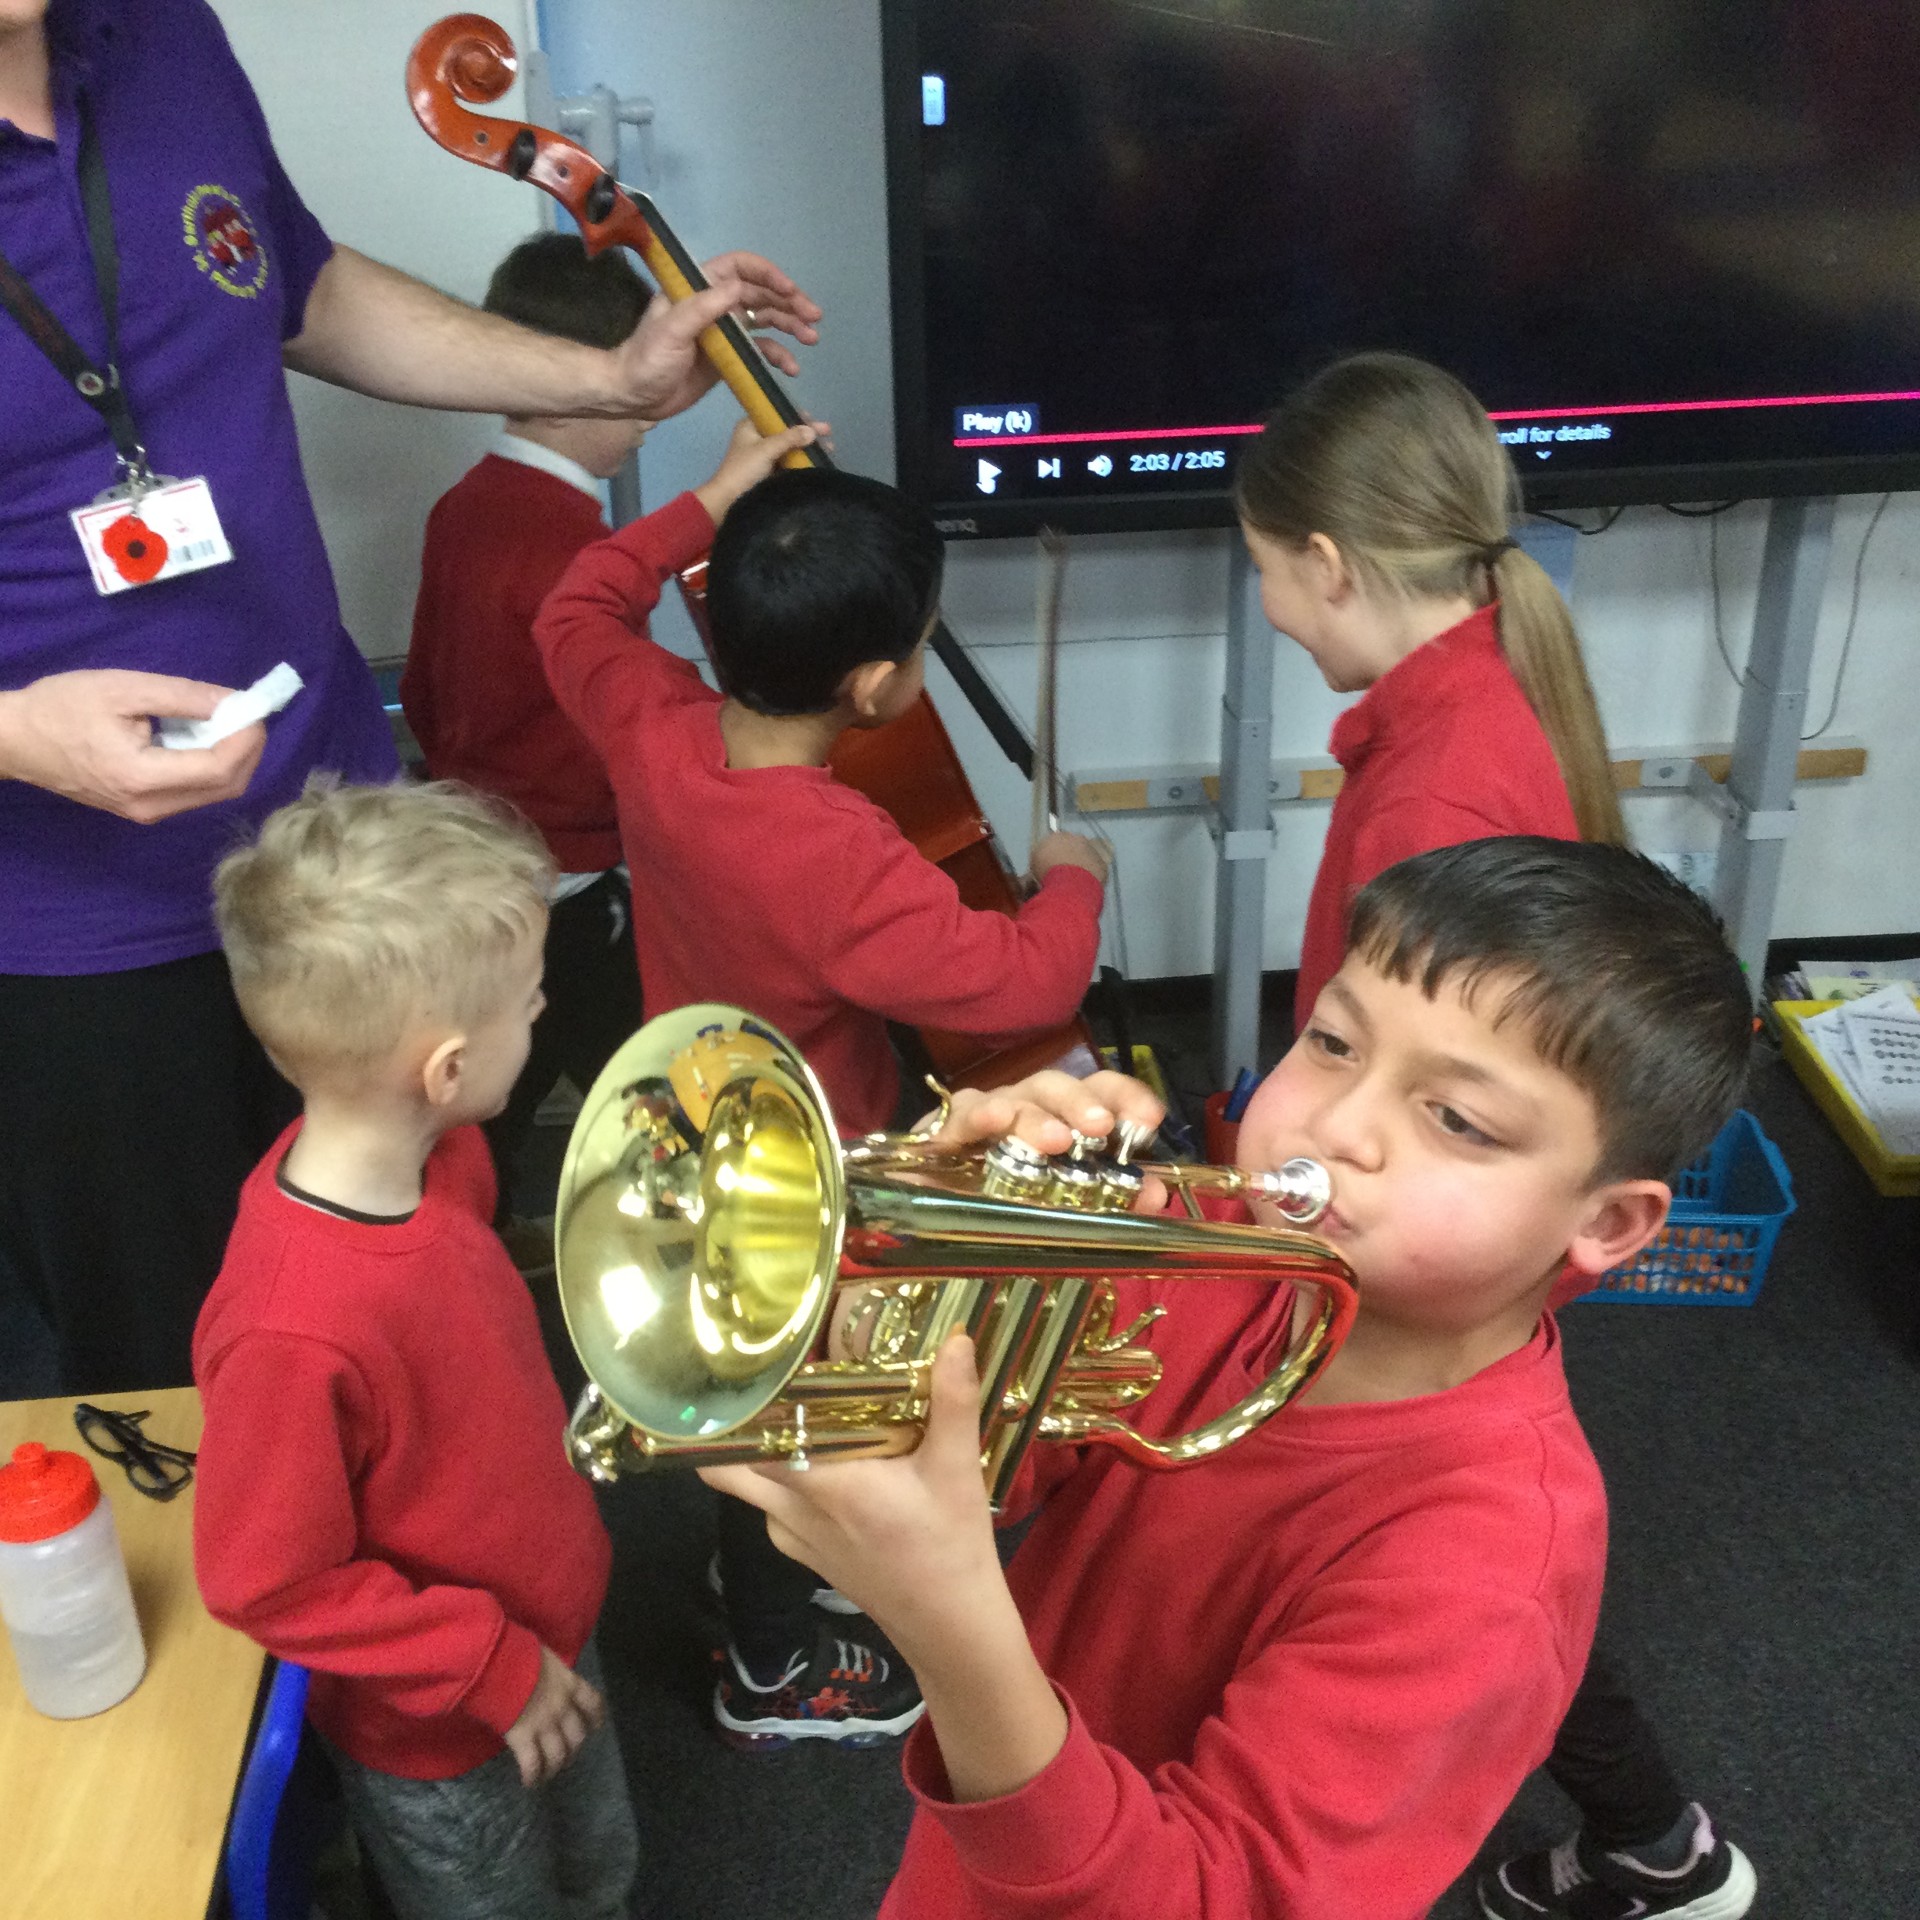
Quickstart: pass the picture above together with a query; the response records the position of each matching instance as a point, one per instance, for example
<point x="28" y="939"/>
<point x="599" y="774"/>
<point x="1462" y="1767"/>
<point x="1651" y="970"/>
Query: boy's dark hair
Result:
<point x="1621" y="974"/>
<point x="548" y="283"/>
<point x="815" y="572"/>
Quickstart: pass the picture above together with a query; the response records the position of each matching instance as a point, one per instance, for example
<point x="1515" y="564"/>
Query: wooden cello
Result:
<point x="908" y="767"/>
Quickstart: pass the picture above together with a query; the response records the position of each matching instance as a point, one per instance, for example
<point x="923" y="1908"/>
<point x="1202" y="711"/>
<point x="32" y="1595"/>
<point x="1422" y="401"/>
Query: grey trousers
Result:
<point x="483" y="1847"/>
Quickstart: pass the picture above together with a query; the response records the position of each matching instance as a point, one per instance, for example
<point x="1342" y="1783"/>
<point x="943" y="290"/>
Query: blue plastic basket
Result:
<point x="1728" y="1209"/>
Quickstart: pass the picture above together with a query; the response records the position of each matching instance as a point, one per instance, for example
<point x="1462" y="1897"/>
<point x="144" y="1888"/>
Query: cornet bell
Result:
<point x="698" y="1233"/>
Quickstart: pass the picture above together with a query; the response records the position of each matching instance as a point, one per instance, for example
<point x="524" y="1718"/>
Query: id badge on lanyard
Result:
<point x="149" y="527"/>
<point x="138" y="533"/>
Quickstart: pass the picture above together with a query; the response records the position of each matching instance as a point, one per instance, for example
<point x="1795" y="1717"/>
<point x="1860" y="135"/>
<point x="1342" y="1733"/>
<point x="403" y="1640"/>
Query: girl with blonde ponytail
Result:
<point x="1376" y="505"/>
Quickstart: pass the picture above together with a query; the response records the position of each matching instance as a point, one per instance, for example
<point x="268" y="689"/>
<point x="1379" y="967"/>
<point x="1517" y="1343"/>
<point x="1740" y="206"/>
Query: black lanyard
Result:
<point x="99" y="387"/>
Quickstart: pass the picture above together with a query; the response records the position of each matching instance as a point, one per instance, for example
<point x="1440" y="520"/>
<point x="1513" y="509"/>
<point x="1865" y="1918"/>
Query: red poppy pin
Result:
<point x="134" y="548"/>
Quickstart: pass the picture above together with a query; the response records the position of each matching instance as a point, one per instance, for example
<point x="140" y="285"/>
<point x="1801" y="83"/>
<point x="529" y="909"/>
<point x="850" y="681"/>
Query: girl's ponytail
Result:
<point x="1399" y="466"/>
<point x="1537" y="636"/>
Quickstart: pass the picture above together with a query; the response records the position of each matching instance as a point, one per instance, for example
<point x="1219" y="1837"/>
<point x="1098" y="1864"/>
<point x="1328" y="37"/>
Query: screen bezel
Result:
<point x="965" y="518"/>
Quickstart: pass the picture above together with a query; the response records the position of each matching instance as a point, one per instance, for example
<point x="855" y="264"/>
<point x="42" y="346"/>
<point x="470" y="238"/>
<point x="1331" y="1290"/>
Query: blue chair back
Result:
<point x="270" y="1859"/>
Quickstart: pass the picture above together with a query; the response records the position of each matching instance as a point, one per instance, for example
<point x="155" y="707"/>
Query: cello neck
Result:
<point x="749" y="378"/>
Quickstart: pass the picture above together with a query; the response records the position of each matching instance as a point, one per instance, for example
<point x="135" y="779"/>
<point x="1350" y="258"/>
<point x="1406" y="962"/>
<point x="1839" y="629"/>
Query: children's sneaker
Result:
<point x="849" y="1686"/>
<point x="1580" y="1881"/>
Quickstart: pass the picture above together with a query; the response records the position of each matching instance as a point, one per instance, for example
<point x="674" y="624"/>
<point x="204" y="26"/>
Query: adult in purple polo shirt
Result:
<point x="132" y="1099"/>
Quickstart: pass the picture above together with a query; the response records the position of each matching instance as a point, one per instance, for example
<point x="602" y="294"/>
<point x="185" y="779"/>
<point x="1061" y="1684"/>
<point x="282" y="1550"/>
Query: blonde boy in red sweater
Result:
<point x="381" y="1493"/>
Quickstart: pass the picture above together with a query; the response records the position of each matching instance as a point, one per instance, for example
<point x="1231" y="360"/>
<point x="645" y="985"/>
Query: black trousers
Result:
<point x="132" y="1107"/>
<point x="592" y="984"/>
<point x="768" y="1598"/>
<point x="1608" y="1761"/>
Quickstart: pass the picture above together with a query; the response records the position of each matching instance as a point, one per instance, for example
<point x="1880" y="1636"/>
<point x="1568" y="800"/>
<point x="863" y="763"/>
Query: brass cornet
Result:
<point x="712" y="1229"/>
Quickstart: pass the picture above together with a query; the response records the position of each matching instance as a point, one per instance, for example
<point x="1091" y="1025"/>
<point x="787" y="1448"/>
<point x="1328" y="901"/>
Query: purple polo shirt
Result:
<point x="217" y="257"/>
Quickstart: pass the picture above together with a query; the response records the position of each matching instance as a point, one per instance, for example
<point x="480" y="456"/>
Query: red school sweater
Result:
<point x="1304" y="1678"/>
<point x="473" y="689"/>
<point x="382" y="1494"/>
<point x="781" y="889"/>
<point x="1440" y="749"/>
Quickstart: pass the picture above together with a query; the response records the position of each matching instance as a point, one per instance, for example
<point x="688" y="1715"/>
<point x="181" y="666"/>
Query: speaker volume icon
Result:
<point x="1101" y="465"/>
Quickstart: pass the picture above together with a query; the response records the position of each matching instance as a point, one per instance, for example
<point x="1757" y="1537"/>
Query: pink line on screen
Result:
<point x="1529" y="413"/>
<point x="1702" y="406"/>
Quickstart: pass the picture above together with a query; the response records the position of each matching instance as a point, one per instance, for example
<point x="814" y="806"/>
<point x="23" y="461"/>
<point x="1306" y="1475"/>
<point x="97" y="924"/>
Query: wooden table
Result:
<point x="125" y="1813"/>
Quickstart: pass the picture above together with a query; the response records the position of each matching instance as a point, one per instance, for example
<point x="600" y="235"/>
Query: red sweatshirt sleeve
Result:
<point x="592" y="628"/>
<point x="909" y="949"/>
<point x="1354" y="1766"/>
<point x="276" y="1545"/>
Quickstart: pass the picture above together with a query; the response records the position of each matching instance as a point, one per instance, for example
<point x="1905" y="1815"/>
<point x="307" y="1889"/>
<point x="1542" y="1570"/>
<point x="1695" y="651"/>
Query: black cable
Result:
<point x="1700" y="513"/>
<point x="1586" y="533"/>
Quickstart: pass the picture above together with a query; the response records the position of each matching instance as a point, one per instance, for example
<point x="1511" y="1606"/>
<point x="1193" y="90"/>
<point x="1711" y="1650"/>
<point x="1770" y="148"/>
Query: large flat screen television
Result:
<point x="1673" y="245"/>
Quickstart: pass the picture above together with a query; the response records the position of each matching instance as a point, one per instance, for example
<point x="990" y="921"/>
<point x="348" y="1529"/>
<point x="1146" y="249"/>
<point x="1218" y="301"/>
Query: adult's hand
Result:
<point x="87" y="735"/>
<point x="381" y="332"/>
<point x="661" y="369"/>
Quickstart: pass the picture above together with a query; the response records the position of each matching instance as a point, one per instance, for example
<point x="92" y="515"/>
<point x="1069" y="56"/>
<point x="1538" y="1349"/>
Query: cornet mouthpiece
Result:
<point x="1301" y="1189"/>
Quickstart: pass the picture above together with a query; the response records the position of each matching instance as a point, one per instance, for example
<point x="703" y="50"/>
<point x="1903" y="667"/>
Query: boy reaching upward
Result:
<point x="1305" y="1679"/>
<point x="769" y="883"/>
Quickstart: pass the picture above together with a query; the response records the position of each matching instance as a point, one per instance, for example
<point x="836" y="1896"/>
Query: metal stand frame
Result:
<point x="1756" y="804"/>
<point x="1243" y="825"/>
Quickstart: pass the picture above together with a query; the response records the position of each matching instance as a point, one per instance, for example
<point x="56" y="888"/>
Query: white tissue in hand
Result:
<point x="267" y="695"/>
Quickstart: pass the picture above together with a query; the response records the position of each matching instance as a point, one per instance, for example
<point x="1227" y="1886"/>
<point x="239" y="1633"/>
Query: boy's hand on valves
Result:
<point x="908" y="1539"/>
<point x="1062" y="849"/>
<point x="1048" y="1108"/>
<point x="750" y="458"/>
<point x="556" y="1720"/>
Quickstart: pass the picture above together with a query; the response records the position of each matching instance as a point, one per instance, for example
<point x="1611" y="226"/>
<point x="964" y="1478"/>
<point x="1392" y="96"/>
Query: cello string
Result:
<point x="1087" y="823"/>
<point x="1052" y="588"/>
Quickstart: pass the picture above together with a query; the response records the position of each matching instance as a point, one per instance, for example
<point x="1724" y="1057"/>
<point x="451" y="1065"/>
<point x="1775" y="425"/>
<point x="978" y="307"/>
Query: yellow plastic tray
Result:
<point x="1897" y="1175"/>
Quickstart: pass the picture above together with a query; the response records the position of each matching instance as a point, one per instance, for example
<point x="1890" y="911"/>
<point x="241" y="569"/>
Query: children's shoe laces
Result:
<point x="857" y="1660"/>
<point x="1564" y="1868"/>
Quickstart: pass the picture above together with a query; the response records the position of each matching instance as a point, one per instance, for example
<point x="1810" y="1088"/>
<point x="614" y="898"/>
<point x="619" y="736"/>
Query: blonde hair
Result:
<point x="360" y="912"/>
<point x="1399" y="466"/>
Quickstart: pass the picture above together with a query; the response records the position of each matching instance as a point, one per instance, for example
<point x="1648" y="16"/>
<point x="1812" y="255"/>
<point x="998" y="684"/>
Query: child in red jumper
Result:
<point x="774" y="885"/>
<point x="771" y="885"/>
<point x="1376" y="504"/>
<point x="1302" y="1680"/>
<point x="477" y="698"/>
<point x="382" y="1497"/>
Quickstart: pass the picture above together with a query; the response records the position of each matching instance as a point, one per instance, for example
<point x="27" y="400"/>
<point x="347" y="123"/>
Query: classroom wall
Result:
<point x="768" y="136"/>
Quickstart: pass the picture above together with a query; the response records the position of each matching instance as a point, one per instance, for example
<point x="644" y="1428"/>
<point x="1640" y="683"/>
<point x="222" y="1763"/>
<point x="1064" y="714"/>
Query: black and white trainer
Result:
<point x="1580" y="1881"/>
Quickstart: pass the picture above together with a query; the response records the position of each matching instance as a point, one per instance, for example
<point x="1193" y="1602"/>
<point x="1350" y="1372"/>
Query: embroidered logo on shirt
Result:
<point x="226" y="244"/>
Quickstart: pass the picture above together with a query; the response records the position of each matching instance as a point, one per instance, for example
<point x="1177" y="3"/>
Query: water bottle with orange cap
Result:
<point x="63" y="1586"/>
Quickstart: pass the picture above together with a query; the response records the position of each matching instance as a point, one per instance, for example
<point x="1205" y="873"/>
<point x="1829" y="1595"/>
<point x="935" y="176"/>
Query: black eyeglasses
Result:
<point x="155" y="1470"/>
